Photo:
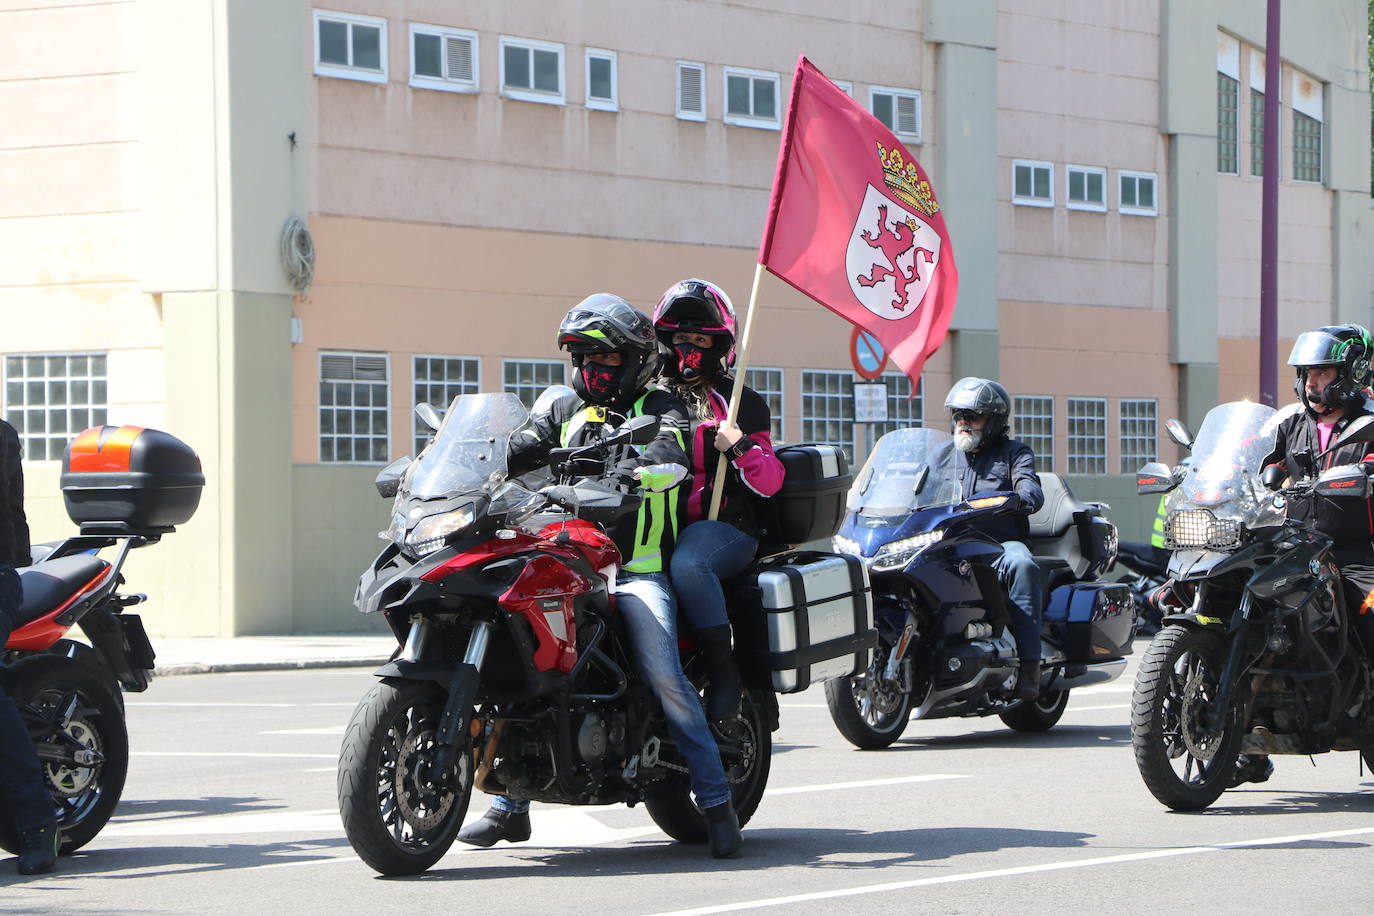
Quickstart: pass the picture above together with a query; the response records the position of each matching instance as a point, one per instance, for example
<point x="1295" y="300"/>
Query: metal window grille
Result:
<point x="440" y="379"/>
<point x="1256" y="132"/>
<point x="828" y="408"/>
<point x="1087" y="435"/>
<point x="1033" y="424"/>
<point x="769" y="384"/>
<point x="355" y="407"/>
<point x="51" y="397"/>
<point x="527" y="378"/>
<point x="1228" y="124"/>
<point x="1307" y="148"/>
<point x="1139" y="433"/>
<point x="902" y="410"/>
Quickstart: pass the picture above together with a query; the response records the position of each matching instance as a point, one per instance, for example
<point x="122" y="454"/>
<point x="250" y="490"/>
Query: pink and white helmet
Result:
<point x="701" y="307"/>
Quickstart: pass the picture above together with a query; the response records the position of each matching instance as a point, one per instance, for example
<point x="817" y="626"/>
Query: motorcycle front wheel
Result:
<point x="1185" y="747"/>
<point x="747" y="754"/>
<point x="870" y="711"/>
<point x="400" y="813"/>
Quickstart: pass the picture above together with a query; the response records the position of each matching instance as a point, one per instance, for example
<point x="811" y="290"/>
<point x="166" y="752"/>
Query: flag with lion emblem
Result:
<point x="854" y="224"/>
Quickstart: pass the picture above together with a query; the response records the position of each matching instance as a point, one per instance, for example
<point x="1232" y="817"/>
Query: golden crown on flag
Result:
<point x="905" y="181"/>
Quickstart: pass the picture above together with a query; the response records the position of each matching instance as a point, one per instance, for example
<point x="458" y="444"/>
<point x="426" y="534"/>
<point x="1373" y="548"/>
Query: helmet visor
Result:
<point x="1317" y="348"/>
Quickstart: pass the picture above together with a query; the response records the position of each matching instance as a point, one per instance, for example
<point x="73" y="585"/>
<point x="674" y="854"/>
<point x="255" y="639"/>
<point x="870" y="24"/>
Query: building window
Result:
<point x="602" y="80"/>
<point x="51" y="397"/>
<point x="903" y="411"/>
<point x="1138" y="194"/>
<point x="1087" y="188"/>
<point x="828" y="409"/>
<point x="1138" y="434"/>
<point x="1087" y="435"/>
<point x="440" y="379"/>
<point x="768" y="383"/>
<point x="443" y="58"/>
<point x="527" y="378"/>
<point x="350" y="47"/>
<point x="1256" y="132"/>
<point x="845" y="85"/>
<point x="1307" y="148"/>
<point x="532" y="71"/>
<point x="1032" y="183"/>
<point x="1033" y="424"/>
<point x="1228" y="124"/>
<point x="354" y="407"/>
<point x="751" y="98"/>
<point x="898" y="109"/>
<point x="691" y="91"/>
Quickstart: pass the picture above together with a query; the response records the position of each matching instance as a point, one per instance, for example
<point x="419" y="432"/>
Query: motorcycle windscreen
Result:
<point x="469" y="451"/>
<point x="1224" y="476"/>
<point x="908" y="469"/>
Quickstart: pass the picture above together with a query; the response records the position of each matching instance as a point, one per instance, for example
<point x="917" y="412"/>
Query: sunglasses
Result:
<point x="967" y="415"/>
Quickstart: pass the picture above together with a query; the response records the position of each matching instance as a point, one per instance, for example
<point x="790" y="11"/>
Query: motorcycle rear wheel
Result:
<point x="867" y="728"/>
<point x="398" y="813"/>
<point x="86" y="796"/>
<point x="1172" y="720"/>
<point x="1038" y="715"/>
<point x="672" y="808"/>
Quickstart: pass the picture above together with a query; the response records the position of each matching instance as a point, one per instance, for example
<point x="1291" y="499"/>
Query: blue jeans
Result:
<point x="645" y="604"/>
<point x="21" y="775"/>
<point x="1024" y="582"/>
<point x="705" y="553"/>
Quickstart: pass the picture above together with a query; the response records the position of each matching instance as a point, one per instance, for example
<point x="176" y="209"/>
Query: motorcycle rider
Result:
<point x="1332" y="364"/>
<point x="21" y="774"/>
<point x="980" y="411"/>
<point x="695" y="323"/>
<point x="614" y="360"/>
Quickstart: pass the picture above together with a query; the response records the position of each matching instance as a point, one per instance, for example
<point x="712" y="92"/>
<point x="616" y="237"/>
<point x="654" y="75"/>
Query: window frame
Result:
<point x="688" y="114"/>
<point x="1020" y="201"/>
<point x="534" y="360"/>
<point x="1041" y="464"/>
<point x="1137" y="210"/>
<point x="894" y="380"/>
<point x="522" y="94"/>
<point x="350" y="72"/>
<point x="846" y="85"/>
<point x="446" y="83"/>
<point x="1123" y="456"/>
<point x="914" y="137"/>
<point x="844" y="398"/>
<point x="778" y="417"/>
<point x="1234" y="140"/>
<point x="415" y="384"/>
<point x="773" y="123"/>
<point x="91" y="406"/>
<point x="320" y="408"/>
<point x="1257" y="133"/>
<point x="1294" y="166"/>
<point x="597" y="104"/>
<point x="1085" y="170"/>
<point x="1071" y="456"/>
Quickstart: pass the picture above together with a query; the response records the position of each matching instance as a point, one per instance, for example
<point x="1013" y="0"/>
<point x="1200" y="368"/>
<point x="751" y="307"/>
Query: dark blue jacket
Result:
<point x="1003" y="464"/>
<point x="14" y="526"/>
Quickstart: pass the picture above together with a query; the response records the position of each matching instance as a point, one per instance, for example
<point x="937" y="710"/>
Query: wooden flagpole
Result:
<point x="741" y="369"/>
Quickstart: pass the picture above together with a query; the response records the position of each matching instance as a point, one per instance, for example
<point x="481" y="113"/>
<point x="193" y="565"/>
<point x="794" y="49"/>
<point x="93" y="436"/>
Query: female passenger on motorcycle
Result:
<point x="696" y="329"/>
<point x="614" y="360"/>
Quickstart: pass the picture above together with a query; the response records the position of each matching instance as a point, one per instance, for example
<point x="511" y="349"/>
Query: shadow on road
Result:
<point x="1236" y="802"/>
<point x="162" y="809"/>
<point x="1058" y="737"/>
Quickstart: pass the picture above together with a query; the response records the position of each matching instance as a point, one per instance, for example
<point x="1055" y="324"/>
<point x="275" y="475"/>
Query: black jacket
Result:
<point x="14" y="526"/>
<point x="1003" y="464"/>
<point x="1349" y="522"/>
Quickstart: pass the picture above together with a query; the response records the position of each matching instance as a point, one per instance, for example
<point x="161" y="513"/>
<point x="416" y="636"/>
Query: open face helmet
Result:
<point x="984" y="398"/>
<point x="698" y="307"/>
<point x="603" y="323"/>
<point x="1346" y="347"/>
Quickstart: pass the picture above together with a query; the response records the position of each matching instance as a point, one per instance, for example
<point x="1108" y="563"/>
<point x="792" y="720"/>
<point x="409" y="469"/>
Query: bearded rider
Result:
<point x="614" y="360"/>
<point x="987" y="461"/>
<point x="1332" y="366"/>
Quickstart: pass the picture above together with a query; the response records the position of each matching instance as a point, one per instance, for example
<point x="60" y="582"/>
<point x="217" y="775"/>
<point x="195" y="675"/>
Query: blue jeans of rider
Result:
<point x="1024" y="582"/>
<point x="645" y="604"/>
<point x="21" y="775"/>
<point x="707" y="552"/>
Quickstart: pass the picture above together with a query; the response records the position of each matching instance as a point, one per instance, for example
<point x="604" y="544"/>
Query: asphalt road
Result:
<point x="230" y="808"/>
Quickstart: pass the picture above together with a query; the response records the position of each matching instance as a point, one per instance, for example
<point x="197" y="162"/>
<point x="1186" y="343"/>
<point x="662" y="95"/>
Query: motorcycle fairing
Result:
<point x="543" y="594"/>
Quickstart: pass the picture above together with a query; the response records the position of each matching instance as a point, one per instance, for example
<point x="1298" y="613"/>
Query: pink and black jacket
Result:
<point x="754" y="470"/>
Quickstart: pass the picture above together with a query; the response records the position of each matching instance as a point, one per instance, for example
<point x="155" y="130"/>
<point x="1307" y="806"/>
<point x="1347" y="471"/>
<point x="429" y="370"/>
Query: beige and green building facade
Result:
<point x="468" y="171"/>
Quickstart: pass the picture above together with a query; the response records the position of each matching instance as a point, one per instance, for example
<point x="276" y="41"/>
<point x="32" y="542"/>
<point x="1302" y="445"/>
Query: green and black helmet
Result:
<point x="1347" y="347"/>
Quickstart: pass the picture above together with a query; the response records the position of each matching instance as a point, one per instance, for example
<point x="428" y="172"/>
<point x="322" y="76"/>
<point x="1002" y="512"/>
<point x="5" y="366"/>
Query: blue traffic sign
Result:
<point x="867" y="354"/>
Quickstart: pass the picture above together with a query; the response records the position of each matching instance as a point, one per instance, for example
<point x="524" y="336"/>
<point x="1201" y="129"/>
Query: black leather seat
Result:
<point x="52" y="582"/>
<point x="1056" y="516"/>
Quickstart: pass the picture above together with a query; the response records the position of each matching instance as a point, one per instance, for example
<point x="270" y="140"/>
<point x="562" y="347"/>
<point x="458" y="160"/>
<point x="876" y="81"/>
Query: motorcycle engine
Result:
<point x="598" y="739"/>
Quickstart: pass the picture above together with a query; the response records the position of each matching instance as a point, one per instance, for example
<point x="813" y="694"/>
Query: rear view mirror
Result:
<point x="389" y="478"/>
<point x="1179" y="433"/>
<point x="1346" y="480"/>
<point x="428" y="416"/>
<point x="1272" y="477"/>
<point x="1154" y="477"/>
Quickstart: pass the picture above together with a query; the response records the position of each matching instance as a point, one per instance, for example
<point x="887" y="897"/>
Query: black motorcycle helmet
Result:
<point x="701" y="307"/>
<point x="1346" y="347"/>
<point x="985" y="398"/>
<point x="603" y="323"/>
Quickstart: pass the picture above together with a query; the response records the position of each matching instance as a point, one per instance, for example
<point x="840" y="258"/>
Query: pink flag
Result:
<point x="854" y="224"/>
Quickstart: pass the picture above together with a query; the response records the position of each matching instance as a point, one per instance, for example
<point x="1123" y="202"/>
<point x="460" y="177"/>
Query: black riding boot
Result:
<point x="38" y="849"/>
<point x="724" y="690"/>
<point x="1028" y="681"/>
<point x="497" y="824"/>
<point x="722" y="830"/>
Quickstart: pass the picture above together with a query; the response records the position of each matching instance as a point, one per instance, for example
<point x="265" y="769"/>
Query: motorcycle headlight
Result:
<point x="896" y="554"/>
<point x="429" y="535"/>
<point x="841" y="544"/>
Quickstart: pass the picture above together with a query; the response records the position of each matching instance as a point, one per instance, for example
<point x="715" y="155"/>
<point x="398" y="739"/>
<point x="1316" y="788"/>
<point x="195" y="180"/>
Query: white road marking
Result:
<point x="232" y="754"/>
<point x="805" y="705"/>
<point x="861" y="784"/>
<point x="1095" y="708"/>
<point x="1019" y="870"/>
<point x="326" y="730"/>
<point x="242" y="705"/>
<point x="321" y="770"/>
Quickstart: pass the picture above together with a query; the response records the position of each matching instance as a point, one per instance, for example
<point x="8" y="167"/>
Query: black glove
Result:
<point x="624" y="473"/>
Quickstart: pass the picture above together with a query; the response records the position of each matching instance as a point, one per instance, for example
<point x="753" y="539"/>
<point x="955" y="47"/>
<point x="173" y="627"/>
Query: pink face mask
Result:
<point x="601" y="381"/>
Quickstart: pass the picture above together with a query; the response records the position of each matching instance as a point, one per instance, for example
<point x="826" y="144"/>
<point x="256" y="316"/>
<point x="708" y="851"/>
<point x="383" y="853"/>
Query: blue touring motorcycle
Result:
<point x="945" y="649"/>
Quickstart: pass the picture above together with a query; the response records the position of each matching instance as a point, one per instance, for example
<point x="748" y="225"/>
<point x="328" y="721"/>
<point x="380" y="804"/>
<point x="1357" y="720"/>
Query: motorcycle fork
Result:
<point x="1240" y="623"/>
<point x="462" y="693"/>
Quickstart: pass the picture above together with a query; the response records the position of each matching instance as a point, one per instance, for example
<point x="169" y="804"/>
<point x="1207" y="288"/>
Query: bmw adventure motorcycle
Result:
<point x="513" y="674"/>
<point x="1261" y="656"/>
<point x="945" y="649"/>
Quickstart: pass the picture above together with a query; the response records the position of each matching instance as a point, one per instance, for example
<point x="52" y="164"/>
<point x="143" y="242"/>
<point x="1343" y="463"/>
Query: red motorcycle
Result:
<point x="126" y="487"/>
<point x="513" y="674"/>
